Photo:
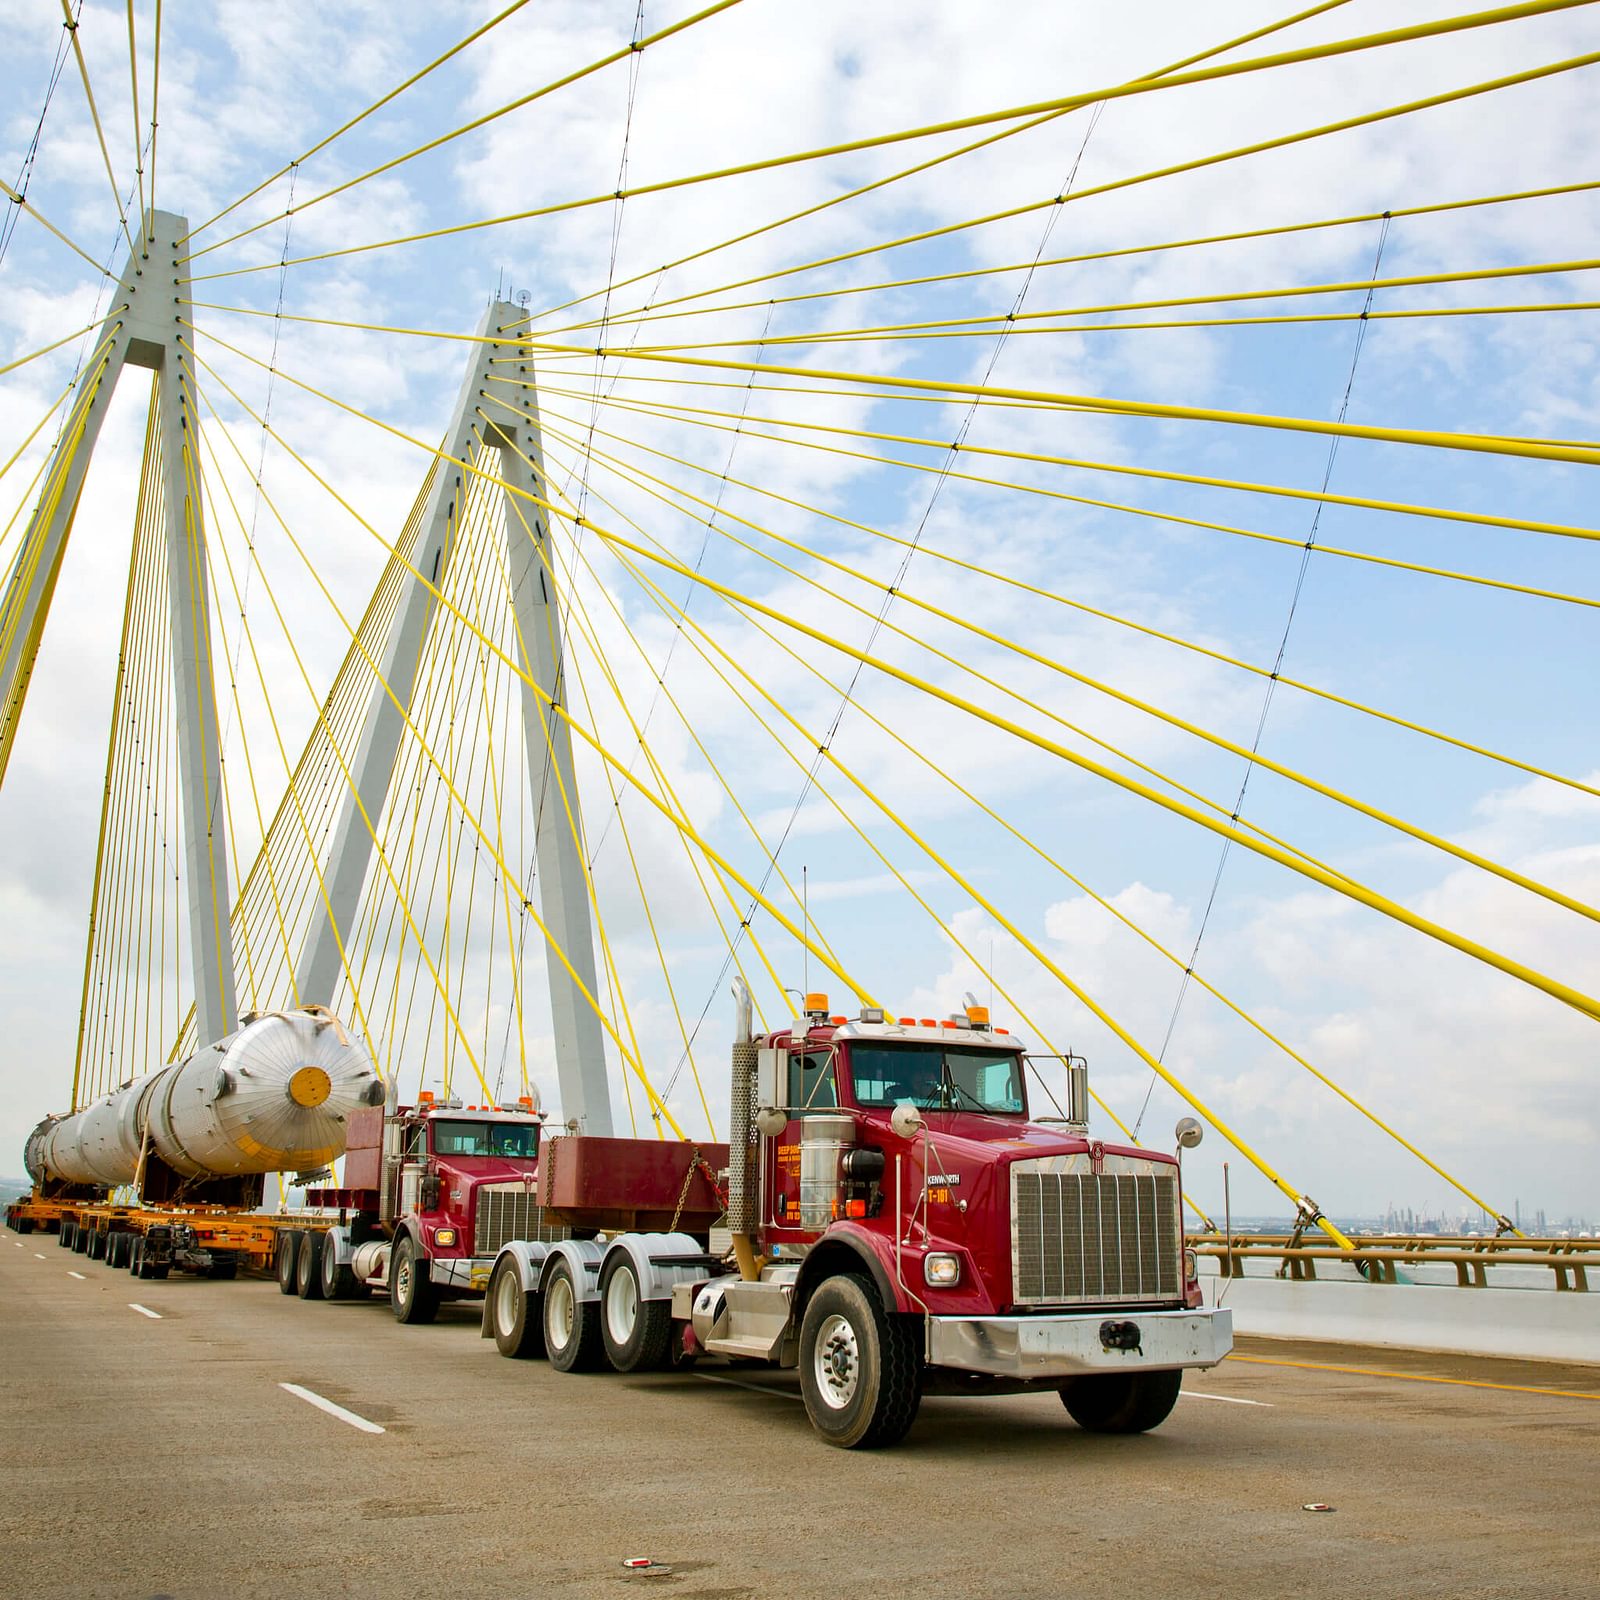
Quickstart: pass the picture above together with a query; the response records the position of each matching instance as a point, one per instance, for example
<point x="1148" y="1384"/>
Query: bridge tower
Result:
<point x="145" y="327"/>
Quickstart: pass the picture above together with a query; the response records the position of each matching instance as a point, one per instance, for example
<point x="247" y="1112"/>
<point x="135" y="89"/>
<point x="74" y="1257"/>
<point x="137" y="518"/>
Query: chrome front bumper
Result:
<point x="1071" y="1344"/>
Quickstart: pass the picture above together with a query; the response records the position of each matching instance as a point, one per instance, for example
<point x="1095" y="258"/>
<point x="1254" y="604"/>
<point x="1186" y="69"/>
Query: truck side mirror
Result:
<point x="771" y="1121"/>
<point x="906" y="1121"/>
<point x="1188" y="1133"/>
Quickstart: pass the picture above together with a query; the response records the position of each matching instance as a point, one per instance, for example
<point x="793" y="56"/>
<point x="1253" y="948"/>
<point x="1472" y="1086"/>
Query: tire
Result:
<point x="571" y="1326"/>
<point x="288" y="1249"/>
<point x="96" y="1248"/>
<point x="1122" y="1402"/>
<point x="515" y="1316"/>
<point x="64" y="1238"/>
<point x="223" y="1269"/>
<point x="412" y="1296"/>
<point x="308" y="1267"/>
<point x="157" y="1269"/>
<point x="338" y="1282"/>
<point x="135" y="1255"/>
<point x="860" y="1366"/>
<point x="80" y="1238"/>
<point x="637" y="1332"/>
<point x="117" y="1249"/>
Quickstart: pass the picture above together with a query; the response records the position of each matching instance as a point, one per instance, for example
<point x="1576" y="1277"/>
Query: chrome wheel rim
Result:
<point x="560" y="1302"/>
<point x="836" y="1362"/>
<point x="622" y="1306"/>
<point x="402" y="1278"/>
<point x="505" y="1302"/>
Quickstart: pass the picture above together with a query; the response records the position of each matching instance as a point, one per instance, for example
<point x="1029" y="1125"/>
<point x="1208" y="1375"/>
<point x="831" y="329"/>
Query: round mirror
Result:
<point x="771" y="1121"/>
<point x="906" y="1121"/>
<point x="1188" y="1133"/>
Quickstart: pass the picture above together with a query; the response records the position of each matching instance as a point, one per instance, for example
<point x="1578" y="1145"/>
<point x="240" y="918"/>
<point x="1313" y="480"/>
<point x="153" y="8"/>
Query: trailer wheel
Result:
<point x="338" y="1282"/>
<point x="515" y="1316"/>
<point x="135" y="1254"/>
<point x="412" y="1296"/>
<point x="64" y="1238"/>
<point x="117" y="1249"/>
<point x="860" y="1366"/>
<point x="308" y="1267"/>
<point x="287" y="1251"/>
<point x="81" y="1234"/>
<point x="1122" y="1402"/>
<point x="223" y="1268"/>
<point x="571" y="1325"/>
<point x="637" y="1332"/>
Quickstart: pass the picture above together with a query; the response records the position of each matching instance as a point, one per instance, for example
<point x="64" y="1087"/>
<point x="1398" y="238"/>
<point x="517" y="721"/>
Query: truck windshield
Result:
<point x="936" y="1079"/>
<point x="485" y="1139"/>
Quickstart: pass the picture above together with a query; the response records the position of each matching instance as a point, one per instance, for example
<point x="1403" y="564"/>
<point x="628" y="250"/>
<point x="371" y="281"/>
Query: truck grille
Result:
<point x="1108" y="1237"/>
<point x="508" y="1211"/>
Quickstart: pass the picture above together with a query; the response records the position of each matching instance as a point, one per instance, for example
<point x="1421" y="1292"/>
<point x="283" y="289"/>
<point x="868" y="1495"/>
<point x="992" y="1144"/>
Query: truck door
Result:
<point x="812" y="1087"/>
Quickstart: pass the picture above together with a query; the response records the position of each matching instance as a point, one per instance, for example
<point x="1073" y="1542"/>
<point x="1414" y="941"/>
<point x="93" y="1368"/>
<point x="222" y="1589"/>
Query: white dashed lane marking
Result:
<point x="311" y="1397"/>
<point x="78" y="1275"/>
<point x="1227" y="1399"/>
<point x="144" y="1311"/>
<point x="37" y="1256"/>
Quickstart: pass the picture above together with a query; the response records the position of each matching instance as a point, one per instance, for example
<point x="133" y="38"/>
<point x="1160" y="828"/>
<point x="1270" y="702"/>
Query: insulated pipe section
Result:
<point x="272" y="1097"/>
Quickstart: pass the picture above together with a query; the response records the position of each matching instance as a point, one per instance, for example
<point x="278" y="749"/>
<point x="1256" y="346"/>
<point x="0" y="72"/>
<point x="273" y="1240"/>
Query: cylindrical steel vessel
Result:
<point x="823" y="1142"/>
<point x="272" y="1097"/>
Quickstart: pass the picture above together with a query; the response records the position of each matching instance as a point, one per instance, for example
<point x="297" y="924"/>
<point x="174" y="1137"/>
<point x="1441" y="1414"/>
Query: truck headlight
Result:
<point x="444" y="1237"/>
<point x="941" y="1271"/>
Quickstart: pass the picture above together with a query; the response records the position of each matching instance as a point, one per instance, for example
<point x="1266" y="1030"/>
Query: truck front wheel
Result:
<point x="412" y="1296"/>
<point x="571" y="1325"/>
<point x="860" y="1366"/>
<point x="637" y="1332"/>
<point x="1122" y="1402"/>
<point x="516" y="1316"/>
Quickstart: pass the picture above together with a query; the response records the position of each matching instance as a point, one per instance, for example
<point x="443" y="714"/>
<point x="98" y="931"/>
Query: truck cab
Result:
<point x="431" y="1193"/>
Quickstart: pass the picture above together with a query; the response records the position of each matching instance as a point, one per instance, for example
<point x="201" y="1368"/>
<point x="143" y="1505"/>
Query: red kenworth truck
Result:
<point x="901" y="1226"/>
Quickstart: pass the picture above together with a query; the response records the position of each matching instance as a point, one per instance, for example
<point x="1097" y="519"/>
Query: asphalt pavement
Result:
<point x="193" y="1440"/>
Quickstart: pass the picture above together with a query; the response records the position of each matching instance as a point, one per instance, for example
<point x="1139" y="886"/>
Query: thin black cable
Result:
<point x="1272" y="680"/>
<point x="25" y="172"/>
<point x="846" y="699"/>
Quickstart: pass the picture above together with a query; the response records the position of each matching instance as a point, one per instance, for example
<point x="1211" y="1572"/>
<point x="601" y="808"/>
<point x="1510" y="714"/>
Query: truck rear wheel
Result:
<point x="412" y="1296"/>
<point x="117" y="1249"/>
<point x="637" y="1332"/>
<point x="860" y="1366"/>
<point x="288" y="1249"/>
<point x="1122" y="1402"/>
<point x="64" y="1238"/>
<point x="308" y="1267"/>
<point x="516" y="1317"/>
<point x="338" y="1281"/>
<point x="571" y="1325"/>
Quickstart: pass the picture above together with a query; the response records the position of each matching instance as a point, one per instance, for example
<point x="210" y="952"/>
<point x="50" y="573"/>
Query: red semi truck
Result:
<point x="901" y="1226"/>
<point x="433" y="1191"/>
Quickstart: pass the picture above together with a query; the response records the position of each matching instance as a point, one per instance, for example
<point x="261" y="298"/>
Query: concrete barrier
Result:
<point x="1531" y="1324"/>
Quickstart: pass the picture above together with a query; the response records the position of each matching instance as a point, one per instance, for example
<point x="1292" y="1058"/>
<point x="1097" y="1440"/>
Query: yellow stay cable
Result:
<point x="1326" y="51"/>
<point x="72" y="27"/>
<point x="658" y="312"/>
<point x="138" y="139"/>
<point x="583" y="733"/>
<point x="870" y="793"/>
<point x="432" y="757"/>
<point x="361" y="116"/>
<point x="688" y="726"/>
<point x="921" y="756"/>
<point x="1261" y="147"/>
<point x="633" y="47"/>
<point x="1081" y="606"/>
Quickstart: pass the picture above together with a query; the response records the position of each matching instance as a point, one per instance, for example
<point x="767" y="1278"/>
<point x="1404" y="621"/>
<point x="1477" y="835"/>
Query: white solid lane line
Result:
<point x="78" y="1275"/>
<point x="1228" y="1399"/>
<point x="312" y="1398"/>
<point x="144" y="1311"/>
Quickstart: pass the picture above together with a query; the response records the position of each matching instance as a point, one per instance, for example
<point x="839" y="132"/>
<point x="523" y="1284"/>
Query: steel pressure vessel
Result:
<point x="272" y="1097"/>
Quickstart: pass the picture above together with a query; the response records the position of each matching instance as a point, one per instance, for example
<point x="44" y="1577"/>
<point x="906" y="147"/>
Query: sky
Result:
<point x="1491" y="1079"/>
